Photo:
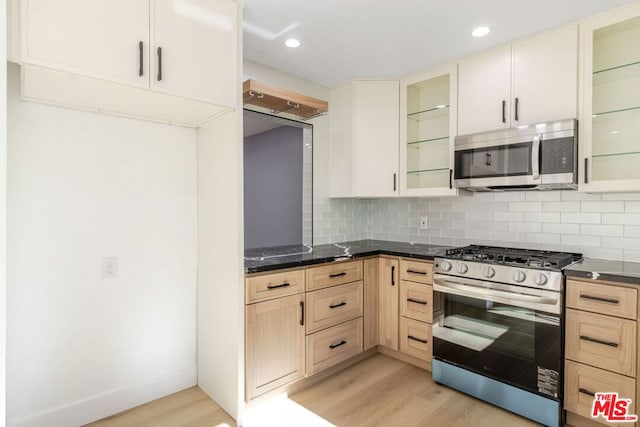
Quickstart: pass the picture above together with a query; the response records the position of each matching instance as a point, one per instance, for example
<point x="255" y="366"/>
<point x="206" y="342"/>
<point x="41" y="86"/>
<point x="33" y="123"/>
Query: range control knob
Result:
<point x="540" y="279"/>
<point x="462" y="268"/>
<point x="488" y="272"/>
<point x="445" y="266"/>
<point x="518" y="276"/>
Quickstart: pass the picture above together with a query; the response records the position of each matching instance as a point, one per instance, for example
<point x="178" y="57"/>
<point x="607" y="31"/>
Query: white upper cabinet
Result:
<point x="187" y="48"/>
<point x="529" y="82"/>
<point x="484" y="91"/>
<point x="610" y="114"/>
<point x="364" y="126"/>
<point x="198" y="43"/>
<point x="101" y="39"/>
<point x="428" y="117"/>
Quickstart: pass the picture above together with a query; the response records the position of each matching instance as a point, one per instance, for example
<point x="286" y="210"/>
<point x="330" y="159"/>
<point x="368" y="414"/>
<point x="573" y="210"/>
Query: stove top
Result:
<point x="514" y="256"/>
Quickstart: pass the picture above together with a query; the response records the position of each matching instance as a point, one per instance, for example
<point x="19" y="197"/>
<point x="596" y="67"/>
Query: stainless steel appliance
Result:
<point x="535" y="157"/>
<point x="497" y="327"/>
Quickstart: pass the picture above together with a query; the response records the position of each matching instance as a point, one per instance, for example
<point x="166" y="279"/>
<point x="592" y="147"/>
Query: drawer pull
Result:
<point x="337" y="305"/>
<point x="332" y="275"/>
<point x="585" y="391"/>
<point x="424" y="273"/>
<point x="600" y="299"/>
<point x="332" y="346"/>
<point x="411" y="337"/>
<point x="301" y="313"/>
<point x="609" y="343"/>
<point x="417" y="301"/>
<point x="284" y="285"/>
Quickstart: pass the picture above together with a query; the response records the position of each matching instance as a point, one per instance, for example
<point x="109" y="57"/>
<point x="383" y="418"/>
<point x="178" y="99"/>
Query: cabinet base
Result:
<point x="422" y="364"/>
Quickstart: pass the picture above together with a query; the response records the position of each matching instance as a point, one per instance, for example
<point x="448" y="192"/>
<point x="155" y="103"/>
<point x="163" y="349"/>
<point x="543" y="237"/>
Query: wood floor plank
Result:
<point x="376" y="392"/>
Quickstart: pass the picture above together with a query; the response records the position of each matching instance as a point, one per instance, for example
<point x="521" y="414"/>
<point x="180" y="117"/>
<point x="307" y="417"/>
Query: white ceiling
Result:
<point x="347" y="39"/>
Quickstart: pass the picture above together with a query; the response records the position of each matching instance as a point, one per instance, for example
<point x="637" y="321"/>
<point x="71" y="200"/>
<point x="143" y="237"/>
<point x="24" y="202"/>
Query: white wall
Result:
<point x="603" y="226"/>
<point x="83" y="186"/>
<point x="3" y="212"/>
<point x="334" y="220"/>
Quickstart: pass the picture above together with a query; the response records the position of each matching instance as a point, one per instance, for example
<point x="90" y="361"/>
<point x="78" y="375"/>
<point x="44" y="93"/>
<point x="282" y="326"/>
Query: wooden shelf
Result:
<point x="280" y="100"/>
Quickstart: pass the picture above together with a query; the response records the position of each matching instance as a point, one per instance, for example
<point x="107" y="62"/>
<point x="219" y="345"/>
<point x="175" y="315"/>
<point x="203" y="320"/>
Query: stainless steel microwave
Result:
<point x="536" y="157"/>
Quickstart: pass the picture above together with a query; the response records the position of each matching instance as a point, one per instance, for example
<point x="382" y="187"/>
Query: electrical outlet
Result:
<point x="424" y="223"/>
<point x="109" y="267"/>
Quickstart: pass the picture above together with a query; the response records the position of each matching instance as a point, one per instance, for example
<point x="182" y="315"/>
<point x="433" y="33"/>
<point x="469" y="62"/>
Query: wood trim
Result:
<point x="277" y="99"/>
<point x="370" y="303"/>
<point x="405" y="358"/>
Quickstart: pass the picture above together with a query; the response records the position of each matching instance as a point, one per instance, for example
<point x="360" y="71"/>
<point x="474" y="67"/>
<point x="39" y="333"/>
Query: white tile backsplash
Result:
<point x="595" y="225"/>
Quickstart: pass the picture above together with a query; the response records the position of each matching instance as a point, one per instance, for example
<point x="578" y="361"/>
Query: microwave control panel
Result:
<point x="557" y="155"/>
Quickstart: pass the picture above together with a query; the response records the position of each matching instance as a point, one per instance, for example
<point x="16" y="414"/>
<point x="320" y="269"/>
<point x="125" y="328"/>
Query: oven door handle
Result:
<point x="471" y="289"/>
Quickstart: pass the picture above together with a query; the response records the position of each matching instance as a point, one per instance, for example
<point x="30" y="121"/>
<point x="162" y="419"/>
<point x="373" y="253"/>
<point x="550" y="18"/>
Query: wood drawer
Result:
<point x="581" y="380"/>
<point x="331" y="346"/>
<point x="415" y="339"/>
<point x="328" y="307"/>
<point x="333" y="274"/>
<point x="606" y="299"/>
<point x="273" y="285"/>
<point x="416" y="301"/>
<point x="603" y="341"/>
<point x="416" y="271"/>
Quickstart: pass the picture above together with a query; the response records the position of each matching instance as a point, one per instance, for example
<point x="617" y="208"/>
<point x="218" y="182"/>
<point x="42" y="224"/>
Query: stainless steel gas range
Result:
<point x="497" y="327"/>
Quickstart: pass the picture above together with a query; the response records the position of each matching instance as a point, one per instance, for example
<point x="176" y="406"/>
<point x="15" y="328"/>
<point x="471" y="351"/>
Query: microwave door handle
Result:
<point x="535" y="158"/>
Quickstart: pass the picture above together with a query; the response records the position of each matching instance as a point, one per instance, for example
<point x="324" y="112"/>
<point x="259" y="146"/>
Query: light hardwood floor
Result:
<point x="379" y="391"/>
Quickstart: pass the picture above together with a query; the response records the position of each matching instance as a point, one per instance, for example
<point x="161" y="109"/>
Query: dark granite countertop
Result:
<point x="266" y="259"/>
<point x="602" y="269"/>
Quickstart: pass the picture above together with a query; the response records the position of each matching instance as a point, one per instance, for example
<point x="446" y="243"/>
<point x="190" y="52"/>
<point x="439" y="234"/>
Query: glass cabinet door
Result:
<point x="428" y="122"/>
<point x="611" y="115"/>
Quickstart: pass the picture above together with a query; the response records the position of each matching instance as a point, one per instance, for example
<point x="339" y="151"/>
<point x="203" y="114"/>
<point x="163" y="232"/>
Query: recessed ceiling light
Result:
<point x="292" y="43"/>
<point x="480" y="32"/>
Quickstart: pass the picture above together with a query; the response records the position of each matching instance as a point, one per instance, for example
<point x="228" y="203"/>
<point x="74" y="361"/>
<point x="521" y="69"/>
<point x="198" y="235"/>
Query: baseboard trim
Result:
<point x="110" y="402"/>
<point x="405" y="358"/>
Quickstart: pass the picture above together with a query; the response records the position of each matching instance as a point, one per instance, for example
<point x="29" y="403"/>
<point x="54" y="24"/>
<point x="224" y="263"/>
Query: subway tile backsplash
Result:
<point x="598" y="225"/>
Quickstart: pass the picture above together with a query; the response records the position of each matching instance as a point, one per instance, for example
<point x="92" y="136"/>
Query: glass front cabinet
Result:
<point x="610" y="119"/>
<point x="427" y="129"/>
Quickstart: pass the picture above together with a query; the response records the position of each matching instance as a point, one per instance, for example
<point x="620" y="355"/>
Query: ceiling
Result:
<point x="347" y="39"/>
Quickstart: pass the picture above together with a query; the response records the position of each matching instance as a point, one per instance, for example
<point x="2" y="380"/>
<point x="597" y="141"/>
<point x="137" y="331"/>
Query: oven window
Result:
<point x="491" y="162"/>
<point x="516" y="345"/>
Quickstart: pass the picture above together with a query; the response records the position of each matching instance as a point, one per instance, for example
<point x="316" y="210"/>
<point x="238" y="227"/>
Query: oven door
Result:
<point x="493" y="165"/>
<point x="509" y="333"/>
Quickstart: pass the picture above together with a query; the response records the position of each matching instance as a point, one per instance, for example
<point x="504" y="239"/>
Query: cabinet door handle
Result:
<point x="597" y="341"/>
<point x="517" y="107"/>
<point x="411" y="337"/>
<point x="332" y="346"/>
<point x="394" y="182"/>
<point x="451" y="179"/>
<point x="417" y="301"/>
<point x="600" y="299"/>
<point x="140" y="59"/>
<point x="301" y="313"/>
<point x="284" y="285"/>
<point x="585" y="391"/>
<point x="504" y="111"/>
<point x="338" y="305"/>
<point x="159" y="64"/>
<point x="586" y="170"/>
<point x="393" y="275"/>
<point x="424" y="273"/>
<point x="333" y="275"/>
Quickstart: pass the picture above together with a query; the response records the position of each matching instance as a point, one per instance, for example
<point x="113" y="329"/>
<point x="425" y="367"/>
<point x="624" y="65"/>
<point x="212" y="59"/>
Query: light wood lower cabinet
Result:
<point x="583" y="381"/>
<point x="416" y="301"/>
<point x="601" y="340"/>
<point x="334" y="305"/>
<point x="415" y="338"/>
<point x="370" y="292"/>
<point x="275" y="344"/>
<point x="388" y="294"/>
<point x="333" y="345"/>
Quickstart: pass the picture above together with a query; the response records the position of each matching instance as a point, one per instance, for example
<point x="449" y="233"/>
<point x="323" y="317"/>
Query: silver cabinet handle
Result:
<point x="535" y="157"/>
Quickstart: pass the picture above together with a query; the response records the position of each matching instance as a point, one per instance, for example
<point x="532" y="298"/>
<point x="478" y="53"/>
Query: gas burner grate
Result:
<point x="514" y="256"/>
